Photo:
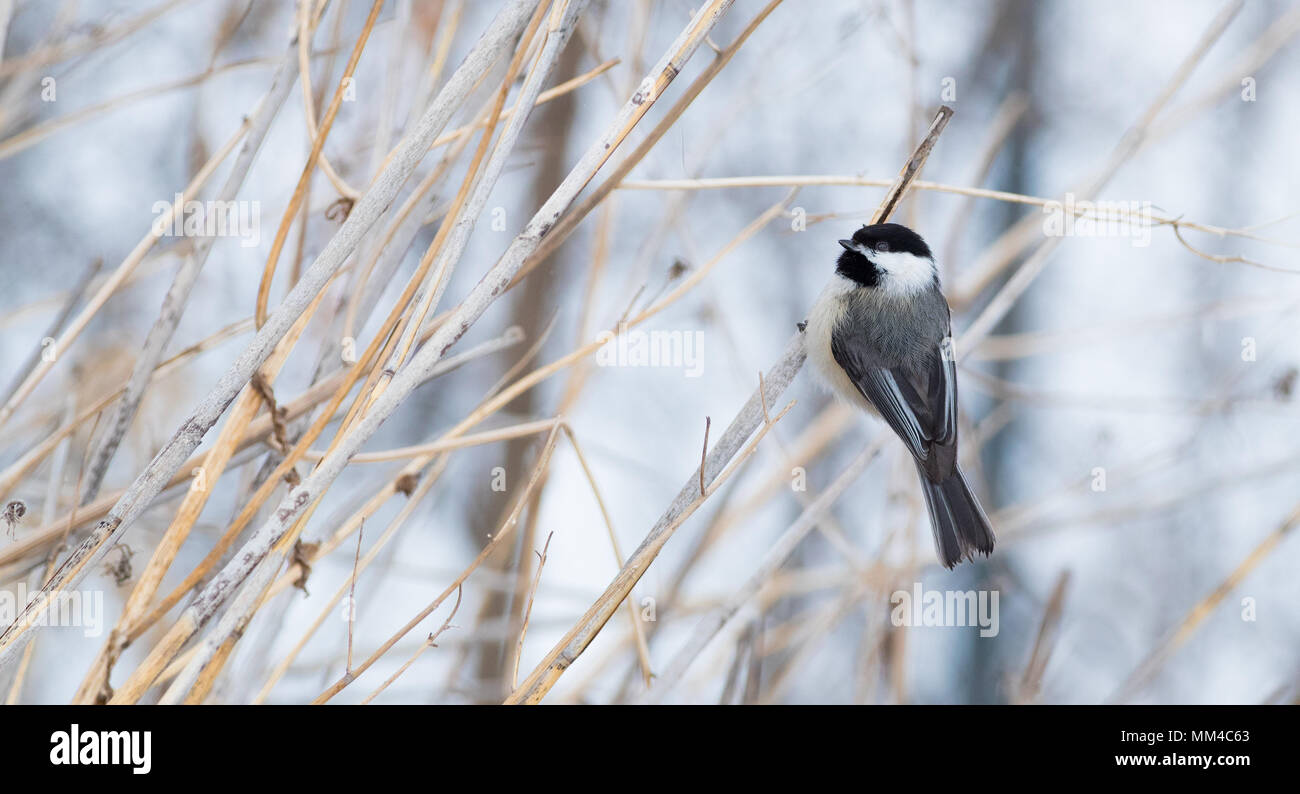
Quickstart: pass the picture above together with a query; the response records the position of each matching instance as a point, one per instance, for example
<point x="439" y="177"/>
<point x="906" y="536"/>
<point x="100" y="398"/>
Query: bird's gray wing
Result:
<point x="919" y="405"/>
<point x="942" y="392"/>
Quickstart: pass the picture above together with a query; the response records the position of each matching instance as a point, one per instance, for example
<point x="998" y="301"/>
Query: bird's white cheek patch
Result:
<point x="904" y="273"/>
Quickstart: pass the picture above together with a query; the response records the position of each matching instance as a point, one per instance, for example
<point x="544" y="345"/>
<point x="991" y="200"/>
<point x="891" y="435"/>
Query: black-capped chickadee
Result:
<point x="880" y="336"/>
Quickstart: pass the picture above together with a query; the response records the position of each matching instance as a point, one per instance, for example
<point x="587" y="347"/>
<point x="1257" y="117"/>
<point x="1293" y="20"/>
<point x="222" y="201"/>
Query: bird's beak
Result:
<point x="848" y="244"/>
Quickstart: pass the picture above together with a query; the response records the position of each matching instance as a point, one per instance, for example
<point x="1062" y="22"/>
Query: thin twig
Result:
<point x="431" y="642"/>
<point x="352" y="593"/>
<point x="704" y="453"/>
<point x="528" y="610"/>
<point x="775" y="557"/>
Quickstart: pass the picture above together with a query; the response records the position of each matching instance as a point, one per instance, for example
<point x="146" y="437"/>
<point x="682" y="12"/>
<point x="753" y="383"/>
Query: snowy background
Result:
<point x="1165" y="373"/>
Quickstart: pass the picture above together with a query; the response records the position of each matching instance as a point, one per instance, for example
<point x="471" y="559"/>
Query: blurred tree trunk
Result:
<point x="553" y="124"/>
<point x="1015" y="38"/>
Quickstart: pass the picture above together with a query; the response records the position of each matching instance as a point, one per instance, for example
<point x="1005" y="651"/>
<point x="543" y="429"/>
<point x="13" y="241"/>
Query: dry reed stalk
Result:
<point x="773" y="559"/>
<point x="809" y="180"/>
<point x="405" y="224"/>
<point x="505" y="396"/>
<point x="178" y="294"/>
<point x="1030" y="684"/>
<point x="98" y="38"/>
<point x="119" y="275"/>
<point x="431" y="642"/>
<point x="318" y="144"/>
<point x="96" y="684"/>
<point x="552" y="666"/>
<point x="406" y="327"/>
<point x="316" y="133"/>
<point x="426" y="484"/>
<point x="49" y="510"/>
<point x="291" y="576"/>
<point x="377" y="199"/>
<point x="449" y="441"/>
<point x="528" y="610"/>
<point x="504" y="531"/>
<point x="449" y="243"/>
<point x="638" y="630"/>
<point x="31" y="136"/>
<point x="249" y="510"/>
<point x="288" y="519"/>
<point x="448" y="333"/>
<point x="565" y="225"/>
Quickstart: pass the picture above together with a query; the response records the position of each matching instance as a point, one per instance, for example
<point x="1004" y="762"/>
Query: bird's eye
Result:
<point x="882" y="247"/>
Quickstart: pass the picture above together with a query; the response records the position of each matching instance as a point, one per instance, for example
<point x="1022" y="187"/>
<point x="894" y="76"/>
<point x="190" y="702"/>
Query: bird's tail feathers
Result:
<point x="959" y="524"/>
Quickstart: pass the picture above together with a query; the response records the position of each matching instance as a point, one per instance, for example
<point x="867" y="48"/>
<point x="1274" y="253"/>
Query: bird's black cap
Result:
<point x="894" y="236"/>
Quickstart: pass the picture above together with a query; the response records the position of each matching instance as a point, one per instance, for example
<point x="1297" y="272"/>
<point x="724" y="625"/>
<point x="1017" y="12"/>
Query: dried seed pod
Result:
<point x="13" y="513"/>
